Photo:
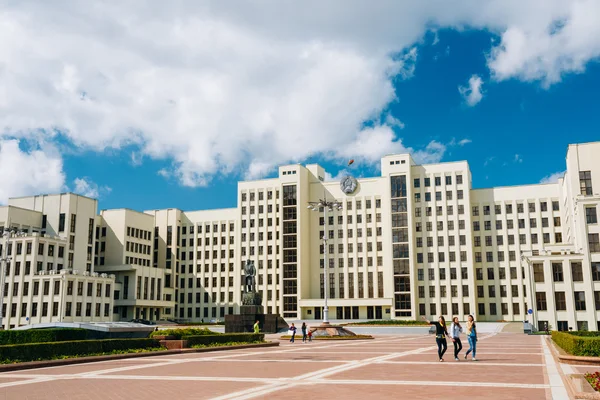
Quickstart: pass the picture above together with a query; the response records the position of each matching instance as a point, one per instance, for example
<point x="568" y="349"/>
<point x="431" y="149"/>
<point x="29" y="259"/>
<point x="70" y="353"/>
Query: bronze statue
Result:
<point x="249" y="277"/>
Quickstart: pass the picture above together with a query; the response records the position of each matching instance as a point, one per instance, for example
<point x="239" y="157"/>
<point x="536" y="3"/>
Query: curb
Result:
<point x="573" y="389"/>
<point x="84" y="360"/>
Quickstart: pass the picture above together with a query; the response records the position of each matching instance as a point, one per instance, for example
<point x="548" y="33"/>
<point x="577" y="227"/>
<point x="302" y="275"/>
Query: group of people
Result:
<point x="441" y="332"/>
<point x="306" y="333"/>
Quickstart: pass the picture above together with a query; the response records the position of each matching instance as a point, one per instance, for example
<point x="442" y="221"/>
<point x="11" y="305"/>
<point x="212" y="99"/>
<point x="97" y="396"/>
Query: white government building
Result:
<point x="415" y="241"/>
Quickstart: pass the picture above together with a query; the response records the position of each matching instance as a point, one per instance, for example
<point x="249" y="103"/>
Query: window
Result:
<point x="585" y="182"/>
<point x="560" y="301"/>
<point x="538" y="273"/>
<point x="540" y="300"/>
<point x="579" y="301"/>
<point x="577" y="272"/>
<point x="590" y="215"/>
<point x="596" y="271"/>
<point x="557" y="272"/>
<point x="594" y="242"/>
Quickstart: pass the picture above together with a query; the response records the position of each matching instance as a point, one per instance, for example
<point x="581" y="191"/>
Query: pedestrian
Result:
<point x="440" y="335"/>
<point x="310" y="336"/>
<point x="455" y="331"/>
<point x="304" y="332"/>
<point x="293" y="330"/>
<point x="471" y="337"/>
<point x="256" y="327"/>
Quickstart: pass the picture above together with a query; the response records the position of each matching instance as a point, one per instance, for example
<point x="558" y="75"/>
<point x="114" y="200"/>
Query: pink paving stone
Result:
<point x="307" y="356"/>
<point x="483" y="357"/>
<point x="230" y="369"/>
<point x="83" y="368"/>
<point x="442" y="372"/>
<point x="94" y="389"/>
<point x="6" y="380"/>
<point x="409" y="392"/>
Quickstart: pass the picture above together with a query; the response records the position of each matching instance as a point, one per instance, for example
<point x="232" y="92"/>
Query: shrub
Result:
<point x="48" y="351"/>
<point x="42" y="335"/>
<point x="179" y="333"/>
<point x="224" y="338"/>
<point x="578" y="345"/>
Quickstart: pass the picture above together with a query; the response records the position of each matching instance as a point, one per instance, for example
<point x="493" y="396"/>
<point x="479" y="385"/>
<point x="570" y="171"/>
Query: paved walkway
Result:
<point x="510" y="366"/>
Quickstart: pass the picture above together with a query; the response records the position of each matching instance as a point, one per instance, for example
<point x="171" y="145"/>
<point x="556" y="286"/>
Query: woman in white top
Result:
<point x="455" y="331"/>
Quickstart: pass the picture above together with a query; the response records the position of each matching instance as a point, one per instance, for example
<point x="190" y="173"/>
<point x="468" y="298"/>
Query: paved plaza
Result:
<point x="510" y="366"/>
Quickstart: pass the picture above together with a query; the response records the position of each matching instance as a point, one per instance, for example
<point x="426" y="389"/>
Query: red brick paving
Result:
<point x="379" y="369"/>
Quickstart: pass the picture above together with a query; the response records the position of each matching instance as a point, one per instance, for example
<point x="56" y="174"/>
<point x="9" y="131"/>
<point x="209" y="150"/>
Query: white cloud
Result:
<point x="472" y="93"/>
<point x="518" y="158"/>
<point x="215" y="88"/>
<point x="394" y="122"/>
<point x="464" y="142"/>
<point x="85" y="187"/>
<point x="28" y="172"/>
<point x="341" y="173"/>
<point x="552" y="178"/>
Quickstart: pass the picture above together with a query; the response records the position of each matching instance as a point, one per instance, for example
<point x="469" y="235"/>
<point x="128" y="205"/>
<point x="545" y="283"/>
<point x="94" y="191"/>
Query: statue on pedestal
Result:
<point x="249" y="277"/>
<point x="250" y="297"/>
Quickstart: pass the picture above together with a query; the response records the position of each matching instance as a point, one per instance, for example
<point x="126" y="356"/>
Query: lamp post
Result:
<point x="4" y="259"/>
<point x="331" y="206"/>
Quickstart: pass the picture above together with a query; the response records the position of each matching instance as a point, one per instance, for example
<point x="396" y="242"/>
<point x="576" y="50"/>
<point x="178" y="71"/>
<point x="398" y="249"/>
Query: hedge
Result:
<point x="42" y="335"/>
<point x="180" y="333"/>
<point x="585" y="333"/>
<point x="580" y="344"/>
<point x="48" y="351"/>
<point x="224" y="338"/>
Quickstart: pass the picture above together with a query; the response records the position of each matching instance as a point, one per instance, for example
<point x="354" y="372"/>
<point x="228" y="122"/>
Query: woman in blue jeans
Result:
<point x="472" y="337"/>
<point x="440" y="335"/>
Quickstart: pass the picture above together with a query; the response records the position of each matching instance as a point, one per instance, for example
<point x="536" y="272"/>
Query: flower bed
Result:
<point x="594" y="380"/>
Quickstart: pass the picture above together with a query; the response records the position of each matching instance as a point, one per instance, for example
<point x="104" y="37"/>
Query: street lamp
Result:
<point x="326" y="206"/>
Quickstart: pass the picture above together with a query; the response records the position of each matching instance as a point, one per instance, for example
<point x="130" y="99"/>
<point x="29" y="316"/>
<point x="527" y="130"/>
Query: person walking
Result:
<point x="440" y="335"/>
<point x="455" y="331"/>
<point x="471" y="337"/>
<point x="256" y="327"/>
<point x="293" y="330"/>
<point x="304" y="332"/>
<point x="310" y="336"/>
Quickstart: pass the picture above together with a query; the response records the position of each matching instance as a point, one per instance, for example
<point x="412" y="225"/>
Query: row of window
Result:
<point x="185" y="229"/>
<point x="560" y="301"/>
<point x="29" y="249"/>
<point x="437" y="181"/>
<point x="207" y="241"/>
<point x="139" y="233"/>
<point x="510" y="224"/>
<point x="261" y="195"/>
<point x="351" y="293"/>
<point x="508" y="208"/>
<point x="68" y="310"/>
<point x="350" y="248"/>
<point x="481" y="308"/>
<point x="360" y="262"/>
<point x="438" y="196"/>
<point x="350" y="219"/>
<point x="56" y="288"/>
<point x="558" y="272"/>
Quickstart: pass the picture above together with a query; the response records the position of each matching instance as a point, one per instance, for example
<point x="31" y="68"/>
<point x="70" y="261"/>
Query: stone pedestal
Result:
<point x="250" y="312"/>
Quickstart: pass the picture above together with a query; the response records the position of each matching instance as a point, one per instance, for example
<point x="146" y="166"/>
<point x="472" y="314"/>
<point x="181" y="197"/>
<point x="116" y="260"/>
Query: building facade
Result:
<point x="416" y="241"/>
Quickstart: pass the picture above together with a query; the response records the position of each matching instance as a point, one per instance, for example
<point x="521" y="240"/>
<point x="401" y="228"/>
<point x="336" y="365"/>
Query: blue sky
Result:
<point x="165" y="128"/>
